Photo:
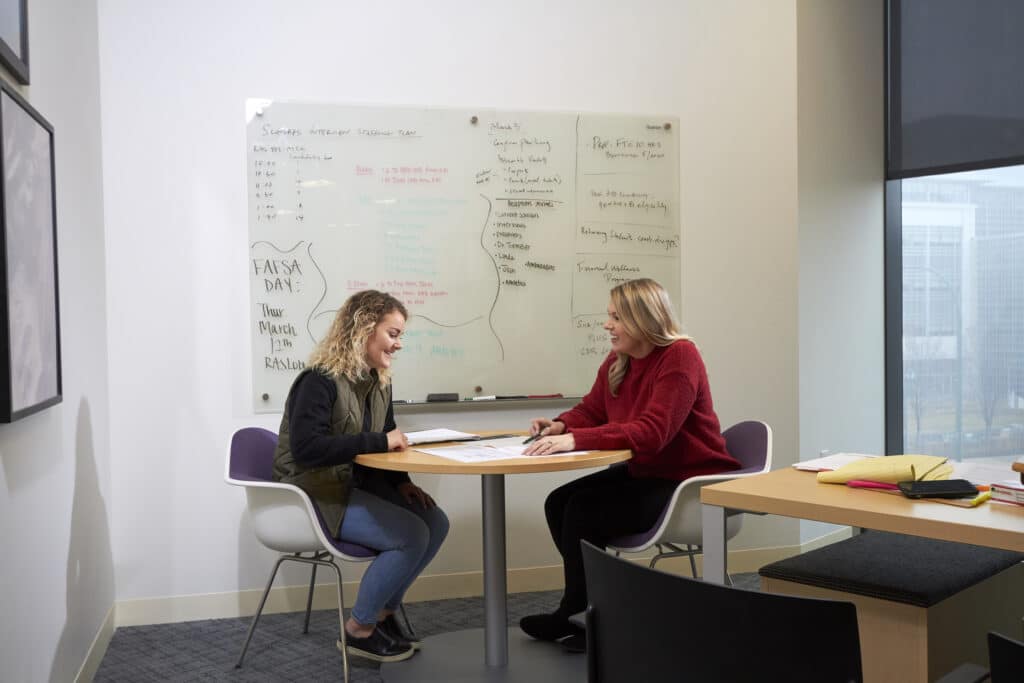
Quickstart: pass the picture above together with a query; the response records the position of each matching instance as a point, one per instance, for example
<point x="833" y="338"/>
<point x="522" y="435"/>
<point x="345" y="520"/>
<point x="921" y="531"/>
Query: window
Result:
<point x="963" y="313"/>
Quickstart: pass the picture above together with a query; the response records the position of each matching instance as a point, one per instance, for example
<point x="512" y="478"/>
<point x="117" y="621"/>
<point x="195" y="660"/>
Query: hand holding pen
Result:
<point x="547" y="438"/>
<point x="541" y="426"/>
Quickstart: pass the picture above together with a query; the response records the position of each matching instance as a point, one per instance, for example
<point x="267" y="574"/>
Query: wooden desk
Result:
<point x="793" y="493"/>
<point x="445" y="658"/>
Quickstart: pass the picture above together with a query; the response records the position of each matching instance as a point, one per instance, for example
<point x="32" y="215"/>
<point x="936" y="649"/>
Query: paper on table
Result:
<point x="438" y="435"/>
<point x="828" y="463"/>
<point x="485" y="451"/>
<point x="980" y="473"/>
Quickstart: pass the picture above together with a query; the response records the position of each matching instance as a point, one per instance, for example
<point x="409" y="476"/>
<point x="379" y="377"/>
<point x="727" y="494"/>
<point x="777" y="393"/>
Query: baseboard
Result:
<point x="293" y="598"/>
<point x="97" y="649"/>
<point x="428" y="587"/>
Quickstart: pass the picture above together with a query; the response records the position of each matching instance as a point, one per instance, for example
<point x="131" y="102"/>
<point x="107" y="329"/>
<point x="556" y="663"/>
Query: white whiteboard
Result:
<point x="502" y="233"/>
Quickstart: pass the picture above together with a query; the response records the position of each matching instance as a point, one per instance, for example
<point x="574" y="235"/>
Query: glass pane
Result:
<point x="963" y="314"/>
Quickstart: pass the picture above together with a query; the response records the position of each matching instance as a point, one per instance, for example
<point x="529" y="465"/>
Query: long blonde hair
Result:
<point x="342" y="351"/>
<point x="645" y="312"/>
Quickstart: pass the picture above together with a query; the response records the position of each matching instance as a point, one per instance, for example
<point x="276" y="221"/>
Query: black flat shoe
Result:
<point x="378" y="646"/>
<point x="575" y="644"/>
<point x="548" y="626"/>
<point x="394" y="628"/>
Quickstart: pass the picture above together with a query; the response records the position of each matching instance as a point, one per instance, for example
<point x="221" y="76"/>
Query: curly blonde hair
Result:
<point x="342" y="351"/>
<point x="645" y="312"/>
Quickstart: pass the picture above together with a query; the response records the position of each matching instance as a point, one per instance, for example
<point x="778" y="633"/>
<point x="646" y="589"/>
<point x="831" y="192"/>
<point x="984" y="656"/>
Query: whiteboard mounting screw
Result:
<point x="266" y="397"/>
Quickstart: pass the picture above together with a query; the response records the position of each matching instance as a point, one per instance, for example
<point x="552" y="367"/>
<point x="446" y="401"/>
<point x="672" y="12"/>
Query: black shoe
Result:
<point x="548" y="626"/>
<point x="576" y="643"/>
<point x="394" y="628"/>
<point x="378" y="646"/>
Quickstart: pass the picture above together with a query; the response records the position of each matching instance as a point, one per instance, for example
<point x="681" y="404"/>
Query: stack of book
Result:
<point x="1009" y="491"/>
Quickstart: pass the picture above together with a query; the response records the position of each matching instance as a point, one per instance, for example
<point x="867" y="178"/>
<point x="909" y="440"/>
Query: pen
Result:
<point x="544" y="396"/>
<point x="535" y="436"/>
<point x="480" y="398"/>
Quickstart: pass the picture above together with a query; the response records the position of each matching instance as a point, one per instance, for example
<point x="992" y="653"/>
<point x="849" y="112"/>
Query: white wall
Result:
<point x="129" y="465"/>
<point x="175" y="78"/>
<point x="57" y="584"/>
<point x="841" y="178"/>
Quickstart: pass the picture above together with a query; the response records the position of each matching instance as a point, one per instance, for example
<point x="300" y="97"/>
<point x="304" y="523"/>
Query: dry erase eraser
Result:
<point x="433" y="398"/>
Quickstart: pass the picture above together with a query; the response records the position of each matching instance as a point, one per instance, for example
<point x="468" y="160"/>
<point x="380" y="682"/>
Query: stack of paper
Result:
<point x="1008" y="491"/>
<point x="828" y="463"/>
<point x="438" y="435"/>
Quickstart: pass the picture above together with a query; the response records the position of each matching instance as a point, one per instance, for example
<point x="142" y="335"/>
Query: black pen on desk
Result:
<point x="535" y="436"/>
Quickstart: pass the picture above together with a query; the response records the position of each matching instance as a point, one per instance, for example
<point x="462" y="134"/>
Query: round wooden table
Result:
<point x="495" y="633"/>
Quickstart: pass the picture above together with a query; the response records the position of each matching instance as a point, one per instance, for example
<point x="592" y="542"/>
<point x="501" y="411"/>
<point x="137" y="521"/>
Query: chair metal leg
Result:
<point x="323" y="559"/>
<point x="309" y="599"/>
<point x="405" y="618"/>
<point x="259" y="610"/>
<point x="676" y="551"/>
<point x="342" y="639"/>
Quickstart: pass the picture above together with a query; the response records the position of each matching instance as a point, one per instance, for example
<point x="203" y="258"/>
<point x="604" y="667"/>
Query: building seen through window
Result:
<point x="963" y="314"/>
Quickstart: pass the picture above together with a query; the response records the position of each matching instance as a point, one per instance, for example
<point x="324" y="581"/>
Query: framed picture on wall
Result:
<point x="30" y="367"/>
<point x="14" y="37"/>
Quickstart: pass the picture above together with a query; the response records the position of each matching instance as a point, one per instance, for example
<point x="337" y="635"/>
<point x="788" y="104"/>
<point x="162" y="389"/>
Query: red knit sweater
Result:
<point x="663" y="413"/>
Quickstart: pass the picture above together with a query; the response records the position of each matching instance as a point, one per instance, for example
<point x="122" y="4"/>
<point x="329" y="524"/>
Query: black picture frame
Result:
<point x="30" y="362"/>
<point x="14" y="37"/>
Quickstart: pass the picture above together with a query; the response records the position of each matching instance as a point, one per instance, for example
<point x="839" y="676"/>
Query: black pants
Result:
<point x="598" y="508"/>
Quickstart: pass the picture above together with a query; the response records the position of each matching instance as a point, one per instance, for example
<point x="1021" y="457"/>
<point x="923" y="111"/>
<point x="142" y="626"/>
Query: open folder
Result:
<point x="891" y="469"/>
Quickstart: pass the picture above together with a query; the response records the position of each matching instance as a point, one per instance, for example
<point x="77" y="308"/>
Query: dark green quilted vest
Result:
<point x="330" y="487"/>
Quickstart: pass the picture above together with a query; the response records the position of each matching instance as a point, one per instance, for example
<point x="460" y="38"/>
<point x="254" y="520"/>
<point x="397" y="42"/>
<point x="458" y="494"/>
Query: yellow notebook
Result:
<point x="891" y="469"/>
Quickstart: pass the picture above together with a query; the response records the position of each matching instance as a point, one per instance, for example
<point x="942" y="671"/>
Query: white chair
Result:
<point x="749" y="442"/>
<point x="285" y="520"/>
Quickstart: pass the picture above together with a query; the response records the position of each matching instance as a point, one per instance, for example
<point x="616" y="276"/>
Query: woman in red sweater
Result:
<point x="651" y="396"/>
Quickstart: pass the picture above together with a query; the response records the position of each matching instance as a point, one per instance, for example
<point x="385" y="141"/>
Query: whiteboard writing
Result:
<point x="502" y="232"/>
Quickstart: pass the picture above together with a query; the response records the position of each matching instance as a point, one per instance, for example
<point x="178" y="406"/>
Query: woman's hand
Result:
<point x="414" y="494"/>
<point x="552" y="444"/>
<point x="549" y="427"/>
<point x="397" y="440"/>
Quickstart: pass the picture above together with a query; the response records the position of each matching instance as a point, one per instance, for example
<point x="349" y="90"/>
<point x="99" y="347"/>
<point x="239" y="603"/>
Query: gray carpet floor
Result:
<point x="207" y="650"/>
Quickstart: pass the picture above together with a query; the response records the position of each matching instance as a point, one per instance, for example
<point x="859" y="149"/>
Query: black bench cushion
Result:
<point x="908" y="569"/>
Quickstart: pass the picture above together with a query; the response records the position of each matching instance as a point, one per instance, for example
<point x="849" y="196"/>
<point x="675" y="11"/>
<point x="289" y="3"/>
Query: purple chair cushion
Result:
<point x="748" y="443"/>
<point x="252" y="454"/>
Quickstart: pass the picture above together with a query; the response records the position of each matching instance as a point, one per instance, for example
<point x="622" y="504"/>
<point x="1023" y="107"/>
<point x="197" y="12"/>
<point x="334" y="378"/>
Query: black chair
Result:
<point x="646" y="625"/>
<point x="1005" y="659"/>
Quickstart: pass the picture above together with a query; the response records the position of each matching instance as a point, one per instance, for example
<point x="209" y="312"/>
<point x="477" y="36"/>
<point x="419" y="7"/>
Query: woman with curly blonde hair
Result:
<point x="338" y="407"/>
<point x="651" y="396"/>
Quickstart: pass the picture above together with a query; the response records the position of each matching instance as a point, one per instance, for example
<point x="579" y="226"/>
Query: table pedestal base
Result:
<point x="458" y="657"/>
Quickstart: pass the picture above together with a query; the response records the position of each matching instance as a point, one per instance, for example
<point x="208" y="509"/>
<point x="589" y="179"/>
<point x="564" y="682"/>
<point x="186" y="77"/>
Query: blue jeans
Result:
<point x="407" y="537"/>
